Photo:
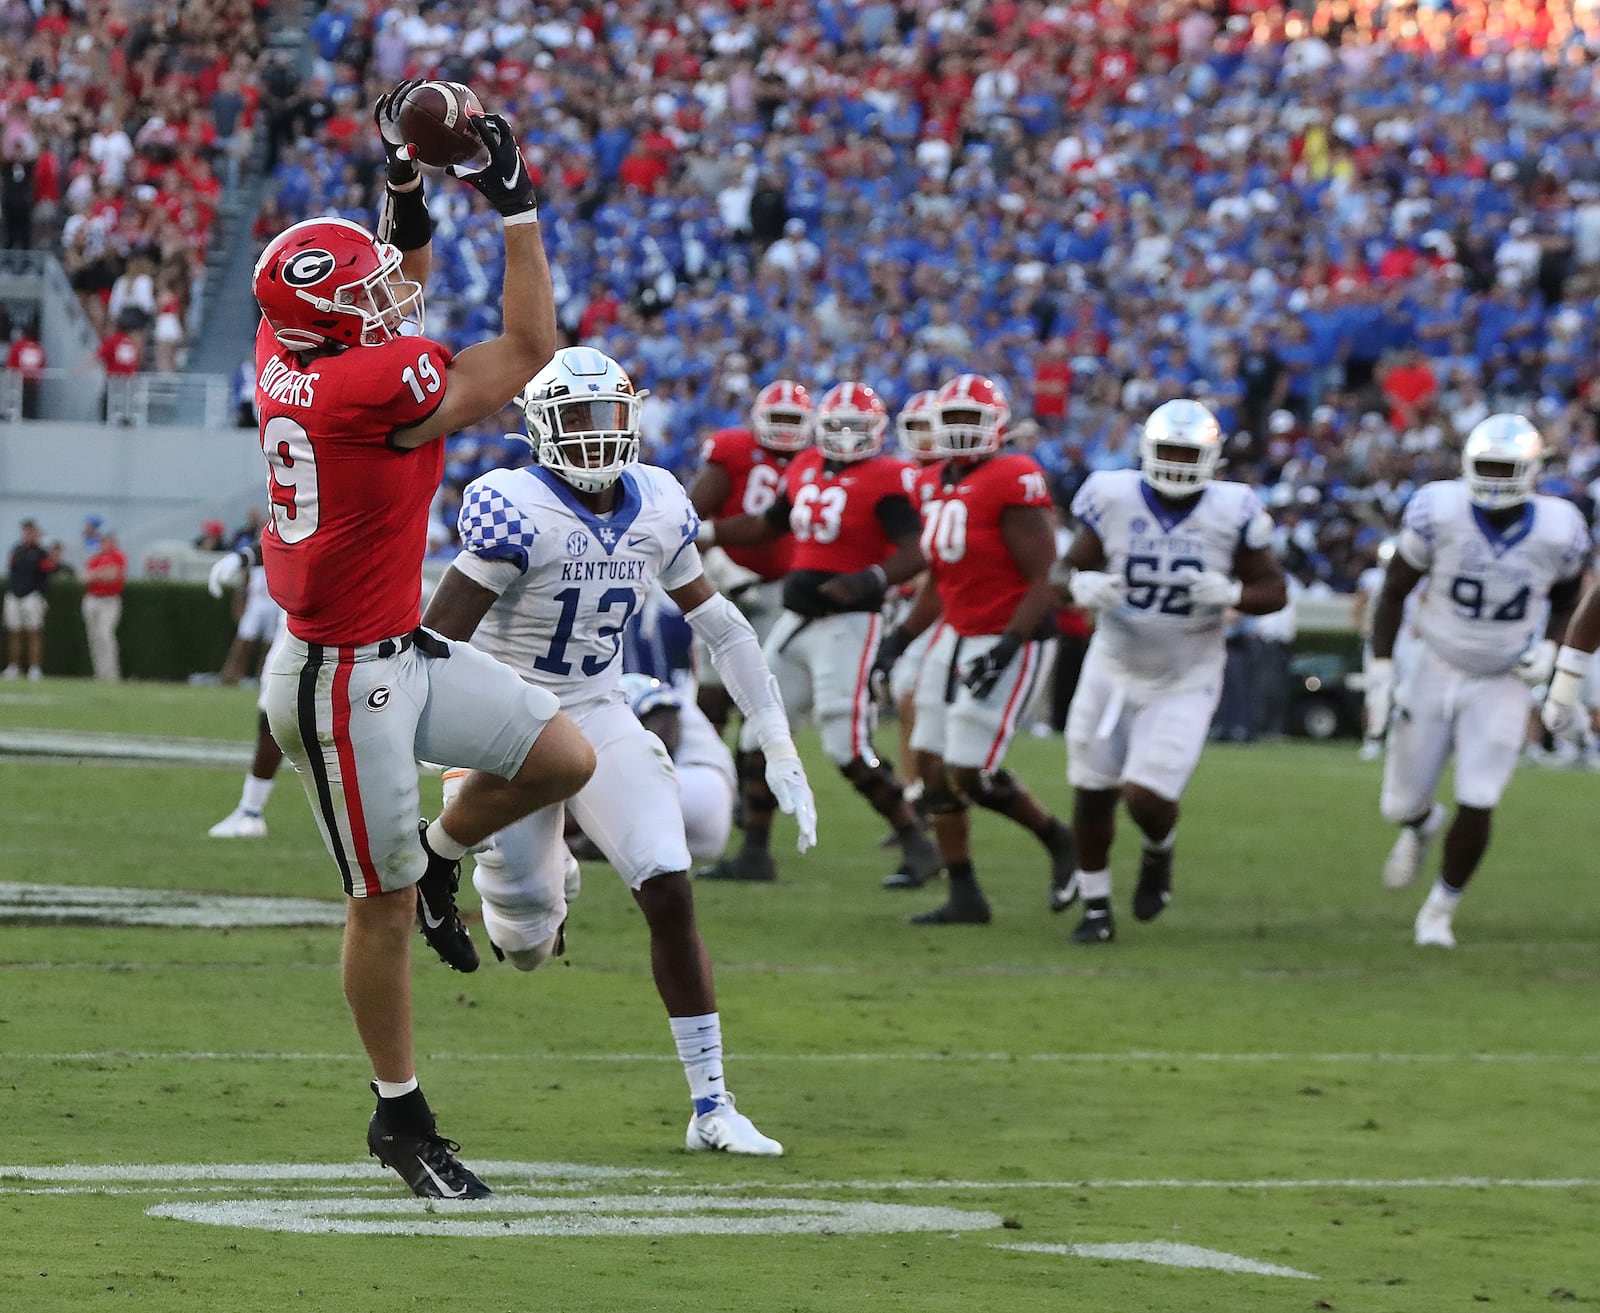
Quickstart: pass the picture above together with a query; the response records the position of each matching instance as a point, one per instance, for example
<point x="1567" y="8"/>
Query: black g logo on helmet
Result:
<point x="307" y="268"/>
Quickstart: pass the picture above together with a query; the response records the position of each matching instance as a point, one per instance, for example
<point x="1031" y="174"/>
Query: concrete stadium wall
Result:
<point x="151" y="485"/>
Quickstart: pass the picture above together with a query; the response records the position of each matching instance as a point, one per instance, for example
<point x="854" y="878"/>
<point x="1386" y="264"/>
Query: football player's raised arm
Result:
<point x="1030" y="541"/>
<point x="457" y="606"/>
<point x="1264" y="589"/>
<point x="1398" y="581"/>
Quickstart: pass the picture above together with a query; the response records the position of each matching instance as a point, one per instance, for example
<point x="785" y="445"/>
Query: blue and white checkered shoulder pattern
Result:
<point x="494" y="528"/>
<point x="1419" y="514"/>
<point x="1088" y="507"/>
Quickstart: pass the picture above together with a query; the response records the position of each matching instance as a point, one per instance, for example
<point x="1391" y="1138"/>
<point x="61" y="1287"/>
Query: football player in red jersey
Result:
<point x="989" y="537"/>
<point x="740" y="476"/>
<point x="848" y="508"/>
<point x="353" y="401"/>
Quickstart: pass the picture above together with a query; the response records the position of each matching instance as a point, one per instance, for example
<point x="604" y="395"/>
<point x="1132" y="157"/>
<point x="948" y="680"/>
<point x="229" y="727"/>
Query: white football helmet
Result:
<point x="583" y="418"/>
<point x="1180" y="448"/>
<point x="851" y="422"/>
<point x="1500" y="461"/>
<point x="915" y="425"/>
<point x="644" y="694"/>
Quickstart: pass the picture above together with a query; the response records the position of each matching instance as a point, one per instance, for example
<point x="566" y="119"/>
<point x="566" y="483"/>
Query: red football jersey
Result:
<point x="833" y="515"/>
<point x="756" y="475"/>
<point x="979" y="584"/>
<point x="349" y="526"/>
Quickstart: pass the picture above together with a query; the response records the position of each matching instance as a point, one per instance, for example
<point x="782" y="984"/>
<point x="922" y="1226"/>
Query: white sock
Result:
<point x="256" y="793"/>
<point x="444" y="845"/>
<point x="699" y="1041"/>
<point x="1443" y="897"/>
<point x="1094" y="884"/>
<point x="1162" y="845"/>
<point x="392" y="1089"/>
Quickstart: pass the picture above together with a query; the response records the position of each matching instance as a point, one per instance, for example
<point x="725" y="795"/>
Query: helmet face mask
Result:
<point x="972" y="416"/>
<point x="329" y="282"/>
<point x="851" y="423"/>
<point x="781" y="416"/>
<point x="583" y="418"/>
<point x="1500" y="462"/>
<point x="1180" y="448"/>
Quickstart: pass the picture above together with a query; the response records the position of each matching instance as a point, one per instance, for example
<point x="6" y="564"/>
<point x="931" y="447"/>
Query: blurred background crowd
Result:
<point x="1352" y="228"/>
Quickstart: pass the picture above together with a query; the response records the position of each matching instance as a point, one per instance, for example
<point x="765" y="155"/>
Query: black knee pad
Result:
<point x="997" y="790"/>
<point x="943" y="801"/>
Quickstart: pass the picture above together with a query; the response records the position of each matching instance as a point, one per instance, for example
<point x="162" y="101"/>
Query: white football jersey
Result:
<point x="568" y="580"/>
<point x="1157" y="634"/>
<point x="1488" y="589"/>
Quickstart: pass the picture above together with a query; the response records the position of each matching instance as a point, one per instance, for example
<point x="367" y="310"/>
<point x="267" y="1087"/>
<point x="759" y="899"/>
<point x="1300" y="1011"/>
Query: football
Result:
<point x="436" y="118"/>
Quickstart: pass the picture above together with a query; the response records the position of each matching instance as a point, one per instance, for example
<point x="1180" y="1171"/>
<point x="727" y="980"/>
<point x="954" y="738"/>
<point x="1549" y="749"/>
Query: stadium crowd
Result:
<point x="1351" y="228"/>
<point x="119" y="126"/>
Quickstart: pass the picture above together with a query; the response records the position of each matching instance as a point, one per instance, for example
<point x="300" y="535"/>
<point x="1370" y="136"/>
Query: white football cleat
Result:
<point x="239" y="824"/>
<point x="1411" y="849"/>
<point x="727" y="1129"/>
<point x="1433" y="929"/>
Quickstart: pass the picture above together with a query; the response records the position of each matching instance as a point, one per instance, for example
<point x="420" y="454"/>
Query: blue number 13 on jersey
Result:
<point x="554" y="662"/>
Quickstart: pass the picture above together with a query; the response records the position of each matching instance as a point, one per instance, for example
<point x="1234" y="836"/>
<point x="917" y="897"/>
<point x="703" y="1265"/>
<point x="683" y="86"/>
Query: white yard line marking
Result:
<point x="1167" y="1254"/>
<point x="67" y="904"/>
<point x="1087" y="1059"/>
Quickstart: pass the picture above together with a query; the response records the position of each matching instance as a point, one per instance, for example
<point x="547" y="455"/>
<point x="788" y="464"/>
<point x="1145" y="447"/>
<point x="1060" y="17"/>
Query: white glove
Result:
<point x="224" y="574"/>
<point x="1560" y="707"/>
<point x="786" y="777"/>
<point x="1213" y="588"/>
<point x="1380" y="695"/>
<point x="1095" y="590"/>
<point x="1538" y="663"/>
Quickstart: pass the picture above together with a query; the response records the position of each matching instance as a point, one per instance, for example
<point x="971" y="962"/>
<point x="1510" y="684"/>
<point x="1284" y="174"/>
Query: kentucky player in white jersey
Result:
<point x="555" y="560"/>
<point x="1161" y="553"/>
<point x="1503" y="566"/>
<point x="707" y="780"/>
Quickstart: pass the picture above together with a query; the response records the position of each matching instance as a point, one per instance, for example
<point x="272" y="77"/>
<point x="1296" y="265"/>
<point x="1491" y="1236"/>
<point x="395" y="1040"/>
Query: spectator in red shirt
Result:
<point x="103" y="578"/>
<point x="119" y="355"/>
<point x="641" y="171"/>
<point x="26" y="357"/>
<point x="1052" y="385"/>
<point x="1410" y="387"/>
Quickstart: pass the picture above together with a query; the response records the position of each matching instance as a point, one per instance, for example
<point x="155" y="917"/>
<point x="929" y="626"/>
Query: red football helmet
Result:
<point x="329" y="282"/>
<point x="781" y="416"/>
<point x="851" y="422"/>
<point x="972" y="416"/>
<point x="915" y="424"/>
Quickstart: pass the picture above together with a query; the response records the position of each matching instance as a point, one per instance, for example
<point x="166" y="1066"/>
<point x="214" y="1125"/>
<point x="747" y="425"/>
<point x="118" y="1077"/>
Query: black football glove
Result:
<point x="399" y="157"/>
<point x="504" y="180"/>
<point x="890" y="650"/>
<point x="984" y="673"/>
<point x="863" y="587"/>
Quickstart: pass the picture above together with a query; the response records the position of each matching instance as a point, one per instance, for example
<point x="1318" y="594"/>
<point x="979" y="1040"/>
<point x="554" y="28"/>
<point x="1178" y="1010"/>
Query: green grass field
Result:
<point x="976" y="1117"/>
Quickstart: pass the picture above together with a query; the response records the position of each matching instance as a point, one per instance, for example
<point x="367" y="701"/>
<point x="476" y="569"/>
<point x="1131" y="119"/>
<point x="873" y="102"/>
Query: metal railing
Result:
<point x="136" y="400"/>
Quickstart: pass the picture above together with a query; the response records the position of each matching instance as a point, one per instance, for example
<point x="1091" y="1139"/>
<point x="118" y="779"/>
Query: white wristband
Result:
<point x="527" y="216"/>
<point x="1565" y="686"/>
<point x="1573" y="661"/>
<point x="706" y="534"/>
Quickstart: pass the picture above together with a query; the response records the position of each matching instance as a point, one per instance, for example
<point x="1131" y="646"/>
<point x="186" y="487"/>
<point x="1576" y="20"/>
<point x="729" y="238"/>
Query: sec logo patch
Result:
<point x="577" y="543"/>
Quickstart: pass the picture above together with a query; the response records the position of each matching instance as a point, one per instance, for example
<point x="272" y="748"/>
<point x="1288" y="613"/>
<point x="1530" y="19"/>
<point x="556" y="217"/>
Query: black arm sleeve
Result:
<point x="898" y="518"/>
<point x="777" y="515"/>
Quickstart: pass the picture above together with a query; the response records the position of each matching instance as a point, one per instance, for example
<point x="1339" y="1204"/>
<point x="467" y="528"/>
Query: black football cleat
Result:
<point x="1063" y="871"/>
<point x="1154" y="890"/>
<point x="919" y="863"/>
<point x="1095" y="928"/>
<point x="750" y="865"/>
<point x="437" y="917"/>
<point x="968" y="907"/>
<point x="426" y="1163"/>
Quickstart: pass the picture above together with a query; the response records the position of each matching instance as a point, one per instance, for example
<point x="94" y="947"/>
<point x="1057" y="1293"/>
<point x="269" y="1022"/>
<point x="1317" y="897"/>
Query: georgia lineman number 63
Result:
<point x="293" y="466"/>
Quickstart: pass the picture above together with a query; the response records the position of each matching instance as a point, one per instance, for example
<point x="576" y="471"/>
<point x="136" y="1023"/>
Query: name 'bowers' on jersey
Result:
<point x="288" y="387"/>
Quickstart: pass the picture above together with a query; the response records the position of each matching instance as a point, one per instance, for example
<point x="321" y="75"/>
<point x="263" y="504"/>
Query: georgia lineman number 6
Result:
<point x="293" y="466"/>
